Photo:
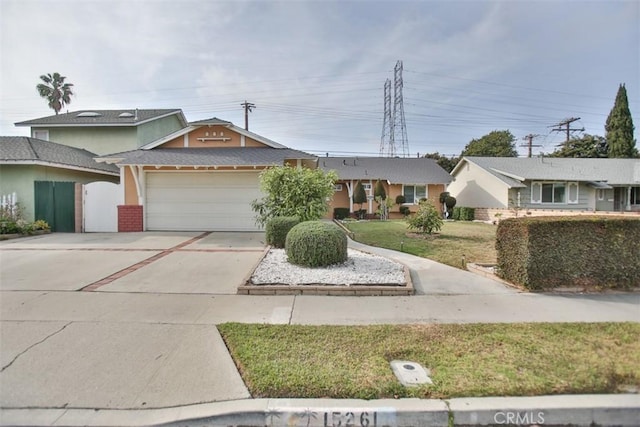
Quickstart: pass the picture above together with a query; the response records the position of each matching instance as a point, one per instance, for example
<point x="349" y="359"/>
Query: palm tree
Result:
<point x="55" y="90"/>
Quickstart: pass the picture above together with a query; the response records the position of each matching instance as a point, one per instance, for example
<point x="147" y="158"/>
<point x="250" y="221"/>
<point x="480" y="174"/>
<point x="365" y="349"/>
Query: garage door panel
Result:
<point x="201" y="201"/>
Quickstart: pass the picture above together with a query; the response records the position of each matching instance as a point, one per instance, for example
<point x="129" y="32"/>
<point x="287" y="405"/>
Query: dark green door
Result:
<point x="55" y="203"/>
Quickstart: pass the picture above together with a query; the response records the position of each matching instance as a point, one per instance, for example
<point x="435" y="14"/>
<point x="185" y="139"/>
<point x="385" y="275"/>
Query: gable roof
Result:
<point x="396" y="170"/>
<point x="204" y="157"/>
<point x="517" y="169"/>
<point x="122" y="117"/>
<point x="21" y="150"/>
<point x="214" y="121"/>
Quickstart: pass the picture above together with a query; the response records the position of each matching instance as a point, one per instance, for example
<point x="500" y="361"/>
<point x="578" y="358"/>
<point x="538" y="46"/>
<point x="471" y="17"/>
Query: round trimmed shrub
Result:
<point x="277" y="228"/>
<point x="316" y="244"/>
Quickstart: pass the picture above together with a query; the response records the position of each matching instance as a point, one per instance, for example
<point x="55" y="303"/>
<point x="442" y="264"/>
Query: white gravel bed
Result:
<point x="360" y="268"/>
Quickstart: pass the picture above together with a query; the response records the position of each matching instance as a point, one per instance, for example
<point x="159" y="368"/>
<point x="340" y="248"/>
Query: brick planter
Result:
<point x="130" y="218"/>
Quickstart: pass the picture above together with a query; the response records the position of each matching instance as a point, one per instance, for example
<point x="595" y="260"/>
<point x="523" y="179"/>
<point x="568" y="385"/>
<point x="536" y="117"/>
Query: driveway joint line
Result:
<point x="130" y="269"/>
<point x="33" y="345"/>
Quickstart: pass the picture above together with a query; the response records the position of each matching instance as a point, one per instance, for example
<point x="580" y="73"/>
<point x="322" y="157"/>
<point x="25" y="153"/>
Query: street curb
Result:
<point x="574" y="410"/>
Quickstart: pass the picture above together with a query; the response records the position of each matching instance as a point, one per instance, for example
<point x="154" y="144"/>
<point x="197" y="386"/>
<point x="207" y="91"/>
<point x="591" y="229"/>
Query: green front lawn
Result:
<point x="473" y="240"/>
<point x="295" y="361"/>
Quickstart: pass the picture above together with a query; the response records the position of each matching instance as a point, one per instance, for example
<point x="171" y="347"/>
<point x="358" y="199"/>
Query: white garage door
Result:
<point x="201" y="201"/>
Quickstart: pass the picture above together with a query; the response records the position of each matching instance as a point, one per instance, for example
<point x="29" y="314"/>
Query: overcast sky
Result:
<point x="316" y="69"/>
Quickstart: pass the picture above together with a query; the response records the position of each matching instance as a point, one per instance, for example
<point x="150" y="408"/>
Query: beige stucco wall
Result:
<point x="474" y="187"/>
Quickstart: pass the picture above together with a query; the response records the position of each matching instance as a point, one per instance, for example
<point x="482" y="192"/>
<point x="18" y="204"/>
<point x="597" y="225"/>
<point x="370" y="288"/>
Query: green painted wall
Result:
<point x="20" y="178"/>
<point x="109" y="140"/>
<point x="103" y="140"/>
<point x="156" y="129"/>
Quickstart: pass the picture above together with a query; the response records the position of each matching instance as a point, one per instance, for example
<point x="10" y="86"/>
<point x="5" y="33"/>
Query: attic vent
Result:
<point x="89" y="114"/>
<point x="125" y="115"/>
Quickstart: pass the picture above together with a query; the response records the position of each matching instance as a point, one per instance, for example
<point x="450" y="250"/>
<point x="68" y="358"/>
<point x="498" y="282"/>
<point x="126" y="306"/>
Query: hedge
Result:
<point x="588" y="252"/>
<point x="277" y="229"/>
<point x="340" y="213"/>
<point x="463" y="214"/>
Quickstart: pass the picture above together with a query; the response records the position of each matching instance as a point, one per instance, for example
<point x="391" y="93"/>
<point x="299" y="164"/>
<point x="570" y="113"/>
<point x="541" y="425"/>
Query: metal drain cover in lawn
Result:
<point x="410" y="373"/>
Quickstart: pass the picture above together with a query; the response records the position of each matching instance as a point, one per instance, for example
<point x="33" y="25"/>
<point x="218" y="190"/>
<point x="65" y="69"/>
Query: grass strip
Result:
<point x="469" y="360"/>
<point x="474" y="240"/>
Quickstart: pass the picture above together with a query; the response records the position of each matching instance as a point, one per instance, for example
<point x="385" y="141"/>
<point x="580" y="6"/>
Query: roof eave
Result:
<point x="57" y="165"/>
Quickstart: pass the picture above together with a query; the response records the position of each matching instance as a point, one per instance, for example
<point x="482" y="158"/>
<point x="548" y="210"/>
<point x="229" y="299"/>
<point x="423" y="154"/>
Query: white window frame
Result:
<point x="44" y="132"/>
<point x="366" y="186"/>
<point x="634" y="194"/>
<point x="337" y="187"/>
<point x="416" y="200"/>
<point x="570" y="200"/>
<point x="536" y="192"/>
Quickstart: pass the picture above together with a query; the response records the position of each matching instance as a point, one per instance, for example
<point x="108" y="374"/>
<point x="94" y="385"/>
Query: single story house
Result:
<point x="107" y="131"/>
<point x="572" y="184"/>
<point x="202" y="177"/>
<point x="43" y="175"/>
<point x="414" y="178"/>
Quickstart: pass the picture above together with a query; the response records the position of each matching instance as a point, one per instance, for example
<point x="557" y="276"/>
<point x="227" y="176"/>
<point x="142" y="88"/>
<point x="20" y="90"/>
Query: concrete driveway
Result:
<point x="203" y="263"/>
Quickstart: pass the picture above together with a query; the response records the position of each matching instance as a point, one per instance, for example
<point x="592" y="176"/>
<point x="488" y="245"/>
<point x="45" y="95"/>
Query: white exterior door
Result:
<point x="201" y="201"/>
<point x="100" y="207"/>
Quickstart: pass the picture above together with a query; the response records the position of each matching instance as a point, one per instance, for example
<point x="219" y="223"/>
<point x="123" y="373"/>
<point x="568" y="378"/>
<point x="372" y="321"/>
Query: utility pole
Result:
<point x="529" y="138"/>
<point x="248" y="107"/>
<point x="567" y="128"/>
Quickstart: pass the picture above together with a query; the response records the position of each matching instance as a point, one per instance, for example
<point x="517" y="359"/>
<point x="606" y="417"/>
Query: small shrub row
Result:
<point x="588" y="252"/>
<point x="462" y="213"/>
<point x="340" y="213"/>
<point x="277" y="228"/>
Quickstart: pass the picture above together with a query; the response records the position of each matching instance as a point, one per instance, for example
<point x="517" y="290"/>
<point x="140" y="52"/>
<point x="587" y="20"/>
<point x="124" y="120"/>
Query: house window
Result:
<point x="635" y="195"/>
<point x="337" y="187"/>
<point x="41" y="134"/>
<point x="554" y="192"/>
<point x="367" y="187"/>
<point x="413" y="193"/>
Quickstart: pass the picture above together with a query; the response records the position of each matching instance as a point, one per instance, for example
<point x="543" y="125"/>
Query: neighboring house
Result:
<point x="546" y="183"/>
<point x="107" y="131"/>
<point x="414" y="178"/>
<point x="37" y="170"/>
<point x="202" y="177"/>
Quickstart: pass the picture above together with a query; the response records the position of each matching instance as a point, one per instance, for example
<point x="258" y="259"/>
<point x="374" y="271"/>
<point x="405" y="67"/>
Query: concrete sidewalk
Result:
<point x="132" y="356"/>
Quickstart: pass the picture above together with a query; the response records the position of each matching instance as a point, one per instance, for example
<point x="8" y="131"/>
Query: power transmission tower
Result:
<point x="399" y="127"/>
<point x="567" y="128"/>
<point x="248" y="107"/>
<point x="387" y="129"/>
<point x="529" y="138"/>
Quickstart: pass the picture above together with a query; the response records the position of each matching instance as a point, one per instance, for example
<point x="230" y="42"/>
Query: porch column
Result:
<point x="370" y="197"/>
<point x="350" y="191"/>
<point x="628" y="206"/>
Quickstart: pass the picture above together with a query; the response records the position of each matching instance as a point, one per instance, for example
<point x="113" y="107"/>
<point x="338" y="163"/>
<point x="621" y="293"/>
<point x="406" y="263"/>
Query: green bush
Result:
<point x="427" y="219"/>
<point x="404" y="210"/>
<point x="400" y="199"/>
<point x="587" y="252"/>
<point x="277" y="228"/>
<point x="340" y="213"/>
<point x="464" y="214"/>
<point x="316" y="244"/>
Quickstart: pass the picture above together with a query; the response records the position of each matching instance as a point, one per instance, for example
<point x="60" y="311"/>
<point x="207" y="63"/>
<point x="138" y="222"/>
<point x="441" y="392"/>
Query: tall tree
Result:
<point x="588" y="146"/>
<point x="446" y="163"/>
<point x="55" y="91"/>
<point x="498" y="143"/>
<point x="620" y="128"/>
